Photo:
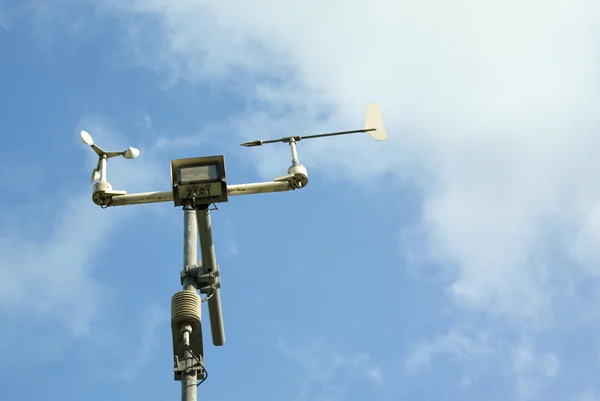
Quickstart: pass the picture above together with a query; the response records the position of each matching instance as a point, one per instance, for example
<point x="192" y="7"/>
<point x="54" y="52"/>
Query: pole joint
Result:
<point x="187" y="366"/>
<point x="206" y="280"/>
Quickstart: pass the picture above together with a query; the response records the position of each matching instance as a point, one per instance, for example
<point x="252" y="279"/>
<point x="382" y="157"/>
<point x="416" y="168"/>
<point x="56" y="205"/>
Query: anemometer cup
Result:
<point x="103" y="193"/>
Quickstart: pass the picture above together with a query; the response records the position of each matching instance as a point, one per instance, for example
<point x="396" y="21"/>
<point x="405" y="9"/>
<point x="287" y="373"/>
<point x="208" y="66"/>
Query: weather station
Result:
<point x="197" y="184"/>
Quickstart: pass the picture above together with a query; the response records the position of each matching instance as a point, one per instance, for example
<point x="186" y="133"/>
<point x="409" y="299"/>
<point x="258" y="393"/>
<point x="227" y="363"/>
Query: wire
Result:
<point x="212" y="200"/>
<point x="208" y="297"/>
<point x="190" y="201"/>
<point x="201" y="365"/>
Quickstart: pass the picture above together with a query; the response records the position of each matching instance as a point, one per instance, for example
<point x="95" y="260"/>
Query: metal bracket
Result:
<point x="103" y="193"/>
<point x="206" y="281"/>
<point x="181" y="367"/>
<point x="296" y="181"/>
<point x="196" y="343"/>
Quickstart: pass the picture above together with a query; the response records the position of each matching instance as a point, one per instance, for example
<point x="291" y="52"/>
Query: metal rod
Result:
<point x="189" y="391"/>
<point x="258" y="188"/>
<point x="232" y="190"/>
<point x="103" y="165"/>
<point x="301" y="137"/>
<point x="294" y="151"/>
<point x="190" y="257"/>
<point x="143" y="197"/>
<point x="190" y="245"/>
<point x="209" y="262"/>
<point x="186" y="336"/>
<point x="356" y="131"/>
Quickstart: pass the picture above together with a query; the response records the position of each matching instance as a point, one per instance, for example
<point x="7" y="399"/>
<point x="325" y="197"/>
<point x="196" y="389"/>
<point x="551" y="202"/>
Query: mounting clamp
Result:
<point x="186" y="365"/>
<point x="103" y="193"/>
<point x="206" y="281"/>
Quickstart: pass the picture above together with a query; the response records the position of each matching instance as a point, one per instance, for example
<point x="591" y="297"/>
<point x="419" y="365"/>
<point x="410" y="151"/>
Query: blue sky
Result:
<point x="456" y="261"/>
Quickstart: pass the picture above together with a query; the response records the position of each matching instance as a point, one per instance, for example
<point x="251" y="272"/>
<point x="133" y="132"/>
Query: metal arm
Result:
<point x="232" y="190"/>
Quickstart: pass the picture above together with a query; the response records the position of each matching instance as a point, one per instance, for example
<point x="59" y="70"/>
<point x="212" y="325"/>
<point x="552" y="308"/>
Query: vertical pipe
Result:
<point x="190" y="245"/>
<point x="103" y="168"/>
<point x="295" y="160"/>
<point x="207" y="248"/>
<point x="190" y="258"/>
<point x="189" y="391"/>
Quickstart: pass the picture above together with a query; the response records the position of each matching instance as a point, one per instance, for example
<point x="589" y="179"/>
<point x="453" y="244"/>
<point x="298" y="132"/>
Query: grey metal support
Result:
<point x="103" y="164"/>
<point x="189" y="391"/>
<point x="294" y="151"/>
<point x="190" y="245"/>
<point x="209" y="264"/>
<point x="190" y="256"/>
<point x="232" y="190"/>
<point x="205" y="180"/>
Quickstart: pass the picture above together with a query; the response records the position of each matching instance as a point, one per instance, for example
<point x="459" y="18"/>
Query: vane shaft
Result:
<point x="299" y="138"/>
<point x="356" y="131"/>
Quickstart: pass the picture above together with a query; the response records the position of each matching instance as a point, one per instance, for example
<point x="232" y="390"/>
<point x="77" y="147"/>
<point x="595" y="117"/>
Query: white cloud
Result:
<point x="49" y="256"/>
<point x="490" y="108"/>
<point x="52" y="277"/>
<point x="323" y="364"/>
<point x="532" y="369"/>
<point x="454" y="344"/>
<point x="323" y="369"/>
<point x="152" y="317"/>
<point x="145" y="121"/>
<point x="477" y="352"/>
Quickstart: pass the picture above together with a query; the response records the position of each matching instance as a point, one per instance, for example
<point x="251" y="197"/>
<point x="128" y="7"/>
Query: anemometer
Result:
<point x="196" y="184"/>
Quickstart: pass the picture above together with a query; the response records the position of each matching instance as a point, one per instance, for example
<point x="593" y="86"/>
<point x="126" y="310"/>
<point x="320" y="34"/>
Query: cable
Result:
<point x="208" y="297"/>
<point x="189" y="203"/>
<point x="108" y="204"/>
<point x="212" y="200"/>
<point x="201" y="365"/>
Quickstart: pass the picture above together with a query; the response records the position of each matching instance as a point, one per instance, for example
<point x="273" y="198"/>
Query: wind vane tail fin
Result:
<point x="375" y="121"/>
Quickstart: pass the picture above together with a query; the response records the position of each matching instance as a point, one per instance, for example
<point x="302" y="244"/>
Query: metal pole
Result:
<point x="207" y="248"/>
<point x="294" y="151"/>
<point x="103" y="168"/>
<point x="190" y="244"/>
<point x="190" y="258"/>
